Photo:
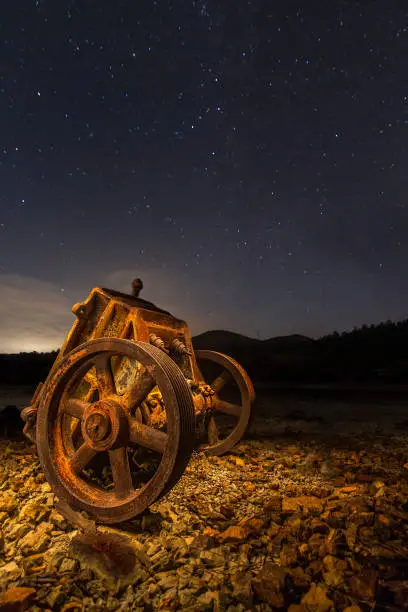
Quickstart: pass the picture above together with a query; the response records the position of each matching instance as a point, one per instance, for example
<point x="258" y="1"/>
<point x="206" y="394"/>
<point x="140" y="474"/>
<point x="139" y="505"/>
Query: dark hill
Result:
<point x="278" y="357"/>
<point x="294" y="341"/>
<point x="283" y="358"/>
<point x="221" y="340"/>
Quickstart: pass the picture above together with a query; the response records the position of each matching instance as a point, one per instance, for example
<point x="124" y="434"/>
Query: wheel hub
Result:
<point x="105" y="426"/>
<point x="98" y="426"/>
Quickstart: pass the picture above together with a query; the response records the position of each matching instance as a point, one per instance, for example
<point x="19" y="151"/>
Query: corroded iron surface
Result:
<point x="126" y="402"/>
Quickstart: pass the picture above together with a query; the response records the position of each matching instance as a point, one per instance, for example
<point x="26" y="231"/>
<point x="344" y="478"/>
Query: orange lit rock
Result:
<point x="332" y="563"/>
<point x="316" y="599"/>
<point x="335" y="543"/>
<point x="213" y="533"/>
<point x="299" y="577"/>
<point x="8" y="502"/>
<point x="333" y="578"/>
<point x="72" y="606"/>
<point x="268" y="585"/>
<point x="241" y="588"/>
<point x="308" y="503"/>
<point x="235" y="533"/>
<point x="9" y="572"/>
<point x="288" y="555"/>
<point x="254" y="524"/>
<point x="16" y="599"/>
<point x="273" y="505"/>
<point x="364" y="584"/>
<point x="249" y="486"/>
<point x="36" y="541"/>
<point x="237" y="460"/>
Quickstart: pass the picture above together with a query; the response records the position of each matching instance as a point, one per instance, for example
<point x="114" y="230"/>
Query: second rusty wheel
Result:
<point x="88" y="435"/>
<point x="230" y="415"/>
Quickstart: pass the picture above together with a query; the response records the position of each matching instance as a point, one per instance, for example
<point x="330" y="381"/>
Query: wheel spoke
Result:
<point x="106" y="383"/>
<point x="75" y="407"/>
<point x="148" y="437"/>
<point x="227" y="408"/>
<point x="212" y="429"/>
<point x="146" y="413"/>
<point x="221" y="380"/>
<point x="81" y="457"/>
<point x="138" y="415"/>
<point x="122" y="477"/>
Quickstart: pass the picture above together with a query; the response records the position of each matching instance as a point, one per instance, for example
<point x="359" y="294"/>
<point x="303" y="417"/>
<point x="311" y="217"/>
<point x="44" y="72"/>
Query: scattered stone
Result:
<point x="299" y="577"/>
<point x="16" y="599"/>
<point x="8" y="502"/>
<point x="55" y="597"/>
<point x="235" y="533"/>
<point x="17" y="531"/>
<point x="273" y="532"/>
<point x="34" y="511"/>
<point x="68" y="565"/>
<point x="333" y="578"/>
<point x="305" y="503"/>
<point x="363" y="584"/>
<point x="167" y="580"/>
<point x="37" y="540"/>
<point x="214" y="557"/>
<point x="34" y="564"/>
<point x="10" y="572"/>
<point x="241" y="587"/>
<point x="210" y="599"/>
<point x="288" y="554"/>
<point x="268" y="585"/>
<point x="333" y="563"/>
<point x="316" y="599"/>
<point x="58" y="520"/>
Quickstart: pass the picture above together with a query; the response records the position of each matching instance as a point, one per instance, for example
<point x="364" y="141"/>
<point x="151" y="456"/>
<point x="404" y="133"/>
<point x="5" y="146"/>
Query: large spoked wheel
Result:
<point x="231" y="402"/>
<point x="95" y="452"/>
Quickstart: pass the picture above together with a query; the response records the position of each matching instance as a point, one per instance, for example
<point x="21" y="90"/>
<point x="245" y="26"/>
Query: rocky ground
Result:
<point x="298" y="522"/>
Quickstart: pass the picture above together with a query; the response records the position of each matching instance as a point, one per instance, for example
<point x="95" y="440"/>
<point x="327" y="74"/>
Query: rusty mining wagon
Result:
<point x="126" y="403"/>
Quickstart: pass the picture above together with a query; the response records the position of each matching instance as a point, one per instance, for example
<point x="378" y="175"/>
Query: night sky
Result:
<point x="248" y="160"/>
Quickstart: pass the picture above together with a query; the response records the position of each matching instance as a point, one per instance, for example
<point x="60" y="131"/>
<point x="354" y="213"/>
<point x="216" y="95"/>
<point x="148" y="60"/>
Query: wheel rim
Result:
<point x="109" y="426"/>
<point x="232" y="371"/>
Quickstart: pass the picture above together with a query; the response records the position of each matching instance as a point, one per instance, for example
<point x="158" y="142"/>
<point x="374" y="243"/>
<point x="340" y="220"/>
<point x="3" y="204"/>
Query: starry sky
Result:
<point x="247" y="160"/>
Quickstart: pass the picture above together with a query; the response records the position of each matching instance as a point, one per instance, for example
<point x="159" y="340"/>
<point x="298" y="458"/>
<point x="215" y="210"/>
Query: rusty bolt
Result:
<point x="97" y="426"/>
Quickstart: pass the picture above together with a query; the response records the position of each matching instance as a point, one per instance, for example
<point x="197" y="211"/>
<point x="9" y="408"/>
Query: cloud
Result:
<point x="34" y="314"/>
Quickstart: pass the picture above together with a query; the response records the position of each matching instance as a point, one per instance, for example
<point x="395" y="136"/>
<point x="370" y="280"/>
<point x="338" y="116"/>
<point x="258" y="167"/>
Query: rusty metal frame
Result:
<point x="112" y="323"/>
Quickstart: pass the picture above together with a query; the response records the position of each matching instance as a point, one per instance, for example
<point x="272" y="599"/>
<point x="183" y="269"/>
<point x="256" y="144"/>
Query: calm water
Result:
<point x="15" y="396"/>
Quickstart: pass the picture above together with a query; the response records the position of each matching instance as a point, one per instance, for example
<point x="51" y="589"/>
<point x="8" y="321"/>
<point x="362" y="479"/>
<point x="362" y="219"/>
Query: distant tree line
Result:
<point x="371" y="353"/>
<point x="25" y="368"/>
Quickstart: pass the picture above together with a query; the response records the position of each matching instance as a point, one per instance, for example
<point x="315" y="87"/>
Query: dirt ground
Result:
<point x="308" y="513"/>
